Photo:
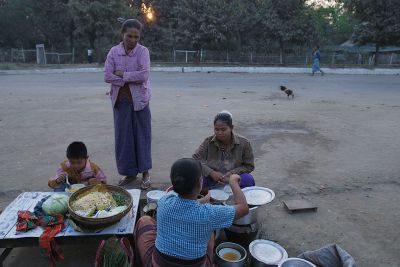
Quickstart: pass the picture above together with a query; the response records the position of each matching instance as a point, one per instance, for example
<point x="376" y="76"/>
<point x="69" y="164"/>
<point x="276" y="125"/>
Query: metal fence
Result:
<point x="14" y="55"/>
<point x="329" y="58"/>
<point x="293" y="57"/>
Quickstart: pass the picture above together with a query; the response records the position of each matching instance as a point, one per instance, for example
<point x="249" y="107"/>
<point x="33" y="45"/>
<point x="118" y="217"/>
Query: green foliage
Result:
<point x="379" y="22"/>
<point x="334" y="24"/>
<point x="16" y="18"/>
<point x="119" y="199"/>
<point x="192" y="24"/>
<point x="96" y="19"/>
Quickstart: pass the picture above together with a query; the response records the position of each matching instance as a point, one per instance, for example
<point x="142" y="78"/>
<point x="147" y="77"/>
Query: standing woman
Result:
<point x="127" y="68"/>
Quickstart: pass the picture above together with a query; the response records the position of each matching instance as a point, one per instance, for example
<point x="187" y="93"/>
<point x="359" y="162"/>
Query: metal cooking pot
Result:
<point x="224" y="263"/>
<point x="250" y="218"/>
<point x="242" y="234"/>
<point x="295" y="262"/>
<point x="265" y="253"/>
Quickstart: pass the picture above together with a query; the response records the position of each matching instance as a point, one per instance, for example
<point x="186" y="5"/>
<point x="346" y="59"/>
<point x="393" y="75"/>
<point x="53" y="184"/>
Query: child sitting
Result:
<point x="77" y="169"/>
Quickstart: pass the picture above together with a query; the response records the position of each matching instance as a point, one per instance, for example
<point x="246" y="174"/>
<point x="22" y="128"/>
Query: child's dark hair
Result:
<point x="185" y="175"/>
<point x="76" y="150"/>
<point x="131" y="23"/>
<point x="225" y="117"/>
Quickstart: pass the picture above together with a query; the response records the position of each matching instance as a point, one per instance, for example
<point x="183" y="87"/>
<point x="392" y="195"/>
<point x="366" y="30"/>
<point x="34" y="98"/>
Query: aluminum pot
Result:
<point x="221" y="262"/>
<point x="296" y="262"/>
<point x="242" y="234"/>
<point x="250" y="218"/>
<point x="265" y="253"/>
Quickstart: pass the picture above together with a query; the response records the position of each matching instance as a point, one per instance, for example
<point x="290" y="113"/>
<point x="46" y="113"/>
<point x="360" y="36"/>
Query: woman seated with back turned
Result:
<point x="183" y="234"/>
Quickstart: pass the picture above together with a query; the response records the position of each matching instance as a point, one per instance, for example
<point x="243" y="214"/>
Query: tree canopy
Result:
<point x="221" y="25"/>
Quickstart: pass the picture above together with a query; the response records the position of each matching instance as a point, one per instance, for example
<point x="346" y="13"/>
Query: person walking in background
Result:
<point x="90" y="55"/>
<point x="316" y="61"/>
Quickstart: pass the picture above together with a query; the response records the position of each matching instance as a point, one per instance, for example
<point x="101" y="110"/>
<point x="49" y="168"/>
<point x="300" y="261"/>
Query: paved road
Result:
<point x="336" y="144"/>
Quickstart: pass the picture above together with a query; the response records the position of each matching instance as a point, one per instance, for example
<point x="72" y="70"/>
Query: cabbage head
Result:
<point x="57" y="203"/>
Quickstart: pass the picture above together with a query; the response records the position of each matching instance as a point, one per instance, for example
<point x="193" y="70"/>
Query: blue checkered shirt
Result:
<point x="184" y="226"/>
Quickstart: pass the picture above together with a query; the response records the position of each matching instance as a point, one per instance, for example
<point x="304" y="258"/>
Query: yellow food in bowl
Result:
<point x="230" y="256"/>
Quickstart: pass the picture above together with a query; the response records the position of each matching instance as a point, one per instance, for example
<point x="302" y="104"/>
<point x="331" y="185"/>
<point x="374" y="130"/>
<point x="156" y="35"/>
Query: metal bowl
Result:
<point x="150" y="210"/>
<point x="296" y="262"/>
<point x="225" y="263"/>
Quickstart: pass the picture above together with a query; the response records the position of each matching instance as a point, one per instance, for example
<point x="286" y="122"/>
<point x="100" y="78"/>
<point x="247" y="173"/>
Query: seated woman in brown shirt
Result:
<point x="225" y="153"/>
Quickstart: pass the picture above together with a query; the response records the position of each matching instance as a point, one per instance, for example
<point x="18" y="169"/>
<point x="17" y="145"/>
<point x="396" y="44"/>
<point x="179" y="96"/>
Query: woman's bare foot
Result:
<point x="146" y="182"/>
<point x="126" y="180"/>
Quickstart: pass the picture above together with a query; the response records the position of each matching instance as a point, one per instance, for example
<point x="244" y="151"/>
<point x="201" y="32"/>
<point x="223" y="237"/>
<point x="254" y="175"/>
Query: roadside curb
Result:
<point x="258" y="70"/>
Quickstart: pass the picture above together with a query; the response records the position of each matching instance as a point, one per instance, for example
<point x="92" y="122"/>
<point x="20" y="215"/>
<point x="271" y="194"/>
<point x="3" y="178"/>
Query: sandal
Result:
<point x="127" y="180"/>
<point x="146" y="184"/>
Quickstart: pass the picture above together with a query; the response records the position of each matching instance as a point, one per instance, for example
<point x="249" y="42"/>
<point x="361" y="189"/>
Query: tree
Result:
<point x="287" y="21"/>
<point x="212" y="24"/>
<point x="380" y="22"/>
<point x="334" y="24"/>
<point x="96" y="19"/>
<point x="52" y="22"/>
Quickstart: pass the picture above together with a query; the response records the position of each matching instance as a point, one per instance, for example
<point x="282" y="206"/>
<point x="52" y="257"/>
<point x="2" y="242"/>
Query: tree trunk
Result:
<point x="197" y="48"/>
<point x="71" y="34"/>
<point x="238" y="40"/>
<point x="282" y="52"/>
<point x="92" y="40"/>
<point x="376" y="54"/>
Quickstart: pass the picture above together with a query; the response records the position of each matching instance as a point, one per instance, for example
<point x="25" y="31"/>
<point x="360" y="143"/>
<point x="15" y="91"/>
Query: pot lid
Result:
<point x="256" y="195"/>
<point x="267" y="251"/>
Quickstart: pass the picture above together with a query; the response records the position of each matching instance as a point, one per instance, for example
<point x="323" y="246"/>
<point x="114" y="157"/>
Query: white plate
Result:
<point x="219" y="195"/>
<point x="155" y="195"/>
<point x="267" y="251"/>
<point x="74" y="188"/>
<point x="257" y="196"/>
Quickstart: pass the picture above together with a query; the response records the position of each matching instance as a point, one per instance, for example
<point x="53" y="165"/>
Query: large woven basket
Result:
<point x="99" y="222"/>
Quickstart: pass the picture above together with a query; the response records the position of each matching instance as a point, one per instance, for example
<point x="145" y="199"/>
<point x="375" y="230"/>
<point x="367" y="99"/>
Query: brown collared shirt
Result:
<point x="237" y="158"/>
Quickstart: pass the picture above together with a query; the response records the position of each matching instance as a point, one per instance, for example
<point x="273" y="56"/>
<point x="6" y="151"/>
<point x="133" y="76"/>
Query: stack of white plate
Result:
<point x="155" y="195"/>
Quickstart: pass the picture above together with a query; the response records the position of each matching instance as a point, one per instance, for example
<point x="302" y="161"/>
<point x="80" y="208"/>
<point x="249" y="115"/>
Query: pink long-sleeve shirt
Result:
<point x="91" y="170"/>
<point x="136" y="67"/>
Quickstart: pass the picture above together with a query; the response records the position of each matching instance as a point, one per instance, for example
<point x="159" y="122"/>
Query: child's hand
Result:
<point x="61" y="178"/>
<point x="92" y="181"/>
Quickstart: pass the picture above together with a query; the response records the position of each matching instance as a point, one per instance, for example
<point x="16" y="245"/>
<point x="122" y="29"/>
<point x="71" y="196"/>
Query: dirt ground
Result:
<point x="336" y="144"/>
